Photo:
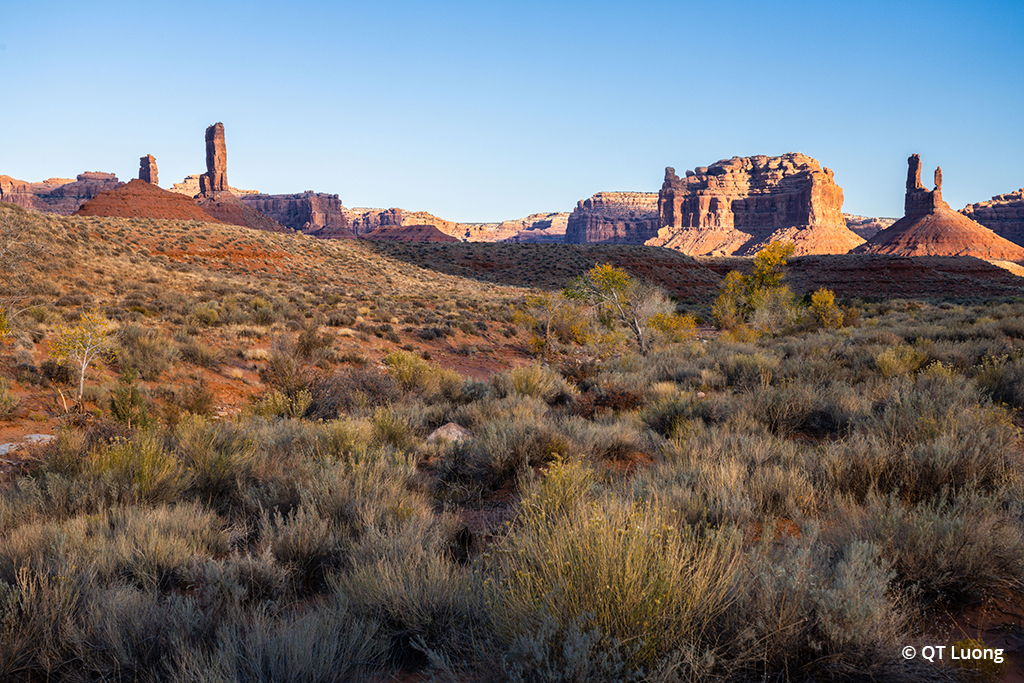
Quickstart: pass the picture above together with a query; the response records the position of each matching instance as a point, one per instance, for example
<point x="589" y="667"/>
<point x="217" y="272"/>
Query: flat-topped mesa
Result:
<point x="216" y="177"/>
<point x="931" y="228"/>
<point x="308" y="211"/>
<point x="148" y="170"/>
<point x="919" y="200"/>
<point x="736" y="206"/>
<point x="614" y="218"/>
<point x="1003" y="215"/>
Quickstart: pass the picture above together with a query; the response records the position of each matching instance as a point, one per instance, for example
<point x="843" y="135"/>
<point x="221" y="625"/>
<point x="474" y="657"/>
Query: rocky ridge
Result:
<point x="866" y="226"/>
<point x="408" y="233"/>
<point x="56" y="195"/>
<point x="1003" y="215"/>
<point x="738" y="205"/>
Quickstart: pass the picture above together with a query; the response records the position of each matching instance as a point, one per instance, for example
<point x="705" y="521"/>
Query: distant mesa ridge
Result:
<point x="56" y="195"/>
<point x="930" y="228"/>
<point x="1003" y="215"/>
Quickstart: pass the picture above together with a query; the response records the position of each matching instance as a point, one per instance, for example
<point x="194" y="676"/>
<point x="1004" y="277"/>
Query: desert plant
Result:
<point x="624" y="299"/>
<point x="84" y="344"/>
<point x="823" y="308"/>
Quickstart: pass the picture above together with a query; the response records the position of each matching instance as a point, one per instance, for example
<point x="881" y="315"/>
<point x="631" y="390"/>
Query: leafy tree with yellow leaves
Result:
<point x="641" y="308"/>
<point x="84" y="343"/>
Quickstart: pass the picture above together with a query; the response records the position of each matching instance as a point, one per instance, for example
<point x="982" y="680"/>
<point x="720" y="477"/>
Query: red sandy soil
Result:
<point x="139" y="199"/>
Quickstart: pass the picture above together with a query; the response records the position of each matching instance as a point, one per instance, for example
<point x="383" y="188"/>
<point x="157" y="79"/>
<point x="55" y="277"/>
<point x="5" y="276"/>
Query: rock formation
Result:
<point x="56" y="195"/>
<point x="309" y="211"/>
<point x="866" y="227"/>
<point x="228" y="208"/>
<point x="147" y="170"/>
<point x="931" y="228"/>
<point x="408" y="233"/>
<point x="614" y="218"/>
<point x="139" y="199"/>
<point x="216" y="177"/>
<point x="736" y="206"/>
<point x="1003" y="215"/>
<point x="190" y="187"/>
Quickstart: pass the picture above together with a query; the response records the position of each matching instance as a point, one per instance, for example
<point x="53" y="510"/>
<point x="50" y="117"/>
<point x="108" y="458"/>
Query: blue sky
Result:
<point x="480" y="111"/>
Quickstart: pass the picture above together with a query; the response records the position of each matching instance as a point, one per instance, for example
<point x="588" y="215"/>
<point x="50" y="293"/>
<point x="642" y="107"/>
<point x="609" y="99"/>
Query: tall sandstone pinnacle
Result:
<point x="737" y="206"/>
<point x="216" y="177"/>
<point x="147" y="170"/>
<point x="930" y="228"/>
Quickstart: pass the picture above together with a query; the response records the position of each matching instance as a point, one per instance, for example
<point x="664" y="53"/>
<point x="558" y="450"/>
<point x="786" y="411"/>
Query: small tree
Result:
<point x="547" y="317"/>
<point x="760" y="298"/>
<point x="824" y="309"/>
<point x="623" y="298"/>
<point x="84" y="343"/>
<point x="770" y="265"/>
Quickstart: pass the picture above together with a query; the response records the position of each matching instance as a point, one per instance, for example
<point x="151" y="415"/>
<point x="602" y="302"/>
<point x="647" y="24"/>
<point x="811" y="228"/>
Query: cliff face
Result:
<point x="614" y="218"/>
<point x="736" y="206"/>
<point x="1003" y="215"/>
<point x="308" y="211"/>
<point x="931" y="228"/>
<point x="57" y="195"/>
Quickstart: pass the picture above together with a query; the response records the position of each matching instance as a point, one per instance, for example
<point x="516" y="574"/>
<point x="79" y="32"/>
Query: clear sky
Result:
<point x="482" y="111"/>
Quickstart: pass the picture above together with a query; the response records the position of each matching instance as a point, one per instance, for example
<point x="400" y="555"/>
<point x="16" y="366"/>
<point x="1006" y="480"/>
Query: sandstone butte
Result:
<point x="56" y="195"/>
<point x="614" y="218"/>
<point x="139" y="199"/>
<point x="408" y="233"/>
<point x="1003" y="215"/>
<point x="737" y="206"/>
<point x="930" y="228"/>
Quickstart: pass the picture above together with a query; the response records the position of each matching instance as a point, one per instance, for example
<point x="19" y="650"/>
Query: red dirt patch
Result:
<point x="139" y="199"/>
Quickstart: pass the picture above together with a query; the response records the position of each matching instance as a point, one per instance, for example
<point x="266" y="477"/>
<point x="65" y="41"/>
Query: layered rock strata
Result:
<point x="148" y="170"/>
<point x="309" y="211"/>
<point x="1003" y="215"/>
<point x="931" y="228"/>
<point x="57" y="195"/>
<point x="737" y="206"/>
<point x="614" y="218"/>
